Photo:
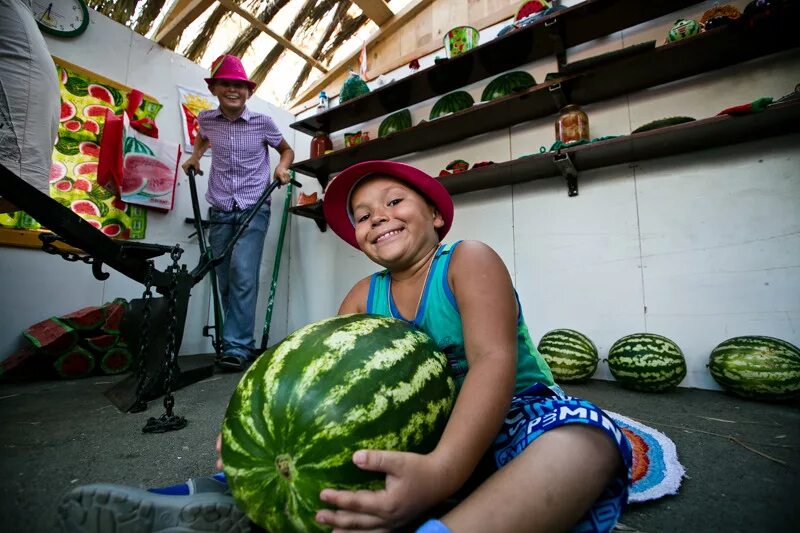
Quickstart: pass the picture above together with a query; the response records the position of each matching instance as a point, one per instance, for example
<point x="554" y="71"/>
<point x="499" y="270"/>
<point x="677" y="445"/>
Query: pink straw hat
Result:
<point x="337" y="196"/>
<point x="228" y="67"/>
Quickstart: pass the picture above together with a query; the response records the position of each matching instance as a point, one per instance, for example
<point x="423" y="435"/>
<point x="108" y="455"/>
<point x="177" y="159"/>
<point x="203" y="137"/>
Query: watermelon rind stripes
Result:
<point x="330" y="388"/>
<point x="758" y="367"/>
<point x="647" y="362"/>
<point x="571" y="355"/>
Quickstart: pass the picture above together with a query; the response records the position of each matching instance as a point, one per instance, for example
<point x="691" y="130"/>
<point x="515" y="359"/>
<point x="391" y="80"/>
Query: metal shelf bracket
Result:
<point x="559" y="98"/>
<point x="564" y="165"/>
<point x="554" y="31"/>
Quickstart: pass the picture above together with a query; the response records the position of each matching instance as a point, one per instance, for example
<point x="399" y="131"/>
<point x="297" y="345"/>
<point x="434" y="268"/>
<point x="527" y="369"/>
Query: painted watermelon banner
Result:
<point x="85" y="99"/>
<point x="149" y="170"/>
<point x="192" y="102"/>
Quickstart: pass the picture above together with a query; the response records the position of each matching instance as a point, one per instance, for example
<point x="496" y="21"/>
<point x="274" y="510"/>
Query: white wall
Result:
<point x="699" y="247"/>
<point x="35" y="286"/>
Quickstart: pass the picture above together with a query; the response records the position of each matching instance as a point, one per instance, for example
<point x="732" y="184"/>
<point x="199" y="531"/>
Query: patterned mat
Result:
<point x="656" y="470"/>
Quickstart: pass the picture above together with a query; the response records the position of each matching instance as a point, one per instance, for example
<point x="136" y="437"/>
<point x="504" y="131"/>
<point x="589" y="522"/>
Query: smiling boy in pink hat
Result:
<point x="240" y="171"/>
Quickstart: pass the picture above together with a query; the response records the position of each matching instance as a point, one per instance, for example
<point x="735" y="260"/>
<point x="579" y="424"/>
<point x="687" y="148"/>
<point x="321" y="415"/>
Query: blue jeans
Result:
<point x="237" y="275"/>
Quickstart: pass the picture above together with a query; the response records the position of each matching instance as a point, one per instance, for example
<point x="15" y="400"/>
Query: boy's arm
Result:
<point x="286" y="160"/>
<point x="414" y="483"/>
<point x="198" y="149"/>
<point x="485" y="296"/>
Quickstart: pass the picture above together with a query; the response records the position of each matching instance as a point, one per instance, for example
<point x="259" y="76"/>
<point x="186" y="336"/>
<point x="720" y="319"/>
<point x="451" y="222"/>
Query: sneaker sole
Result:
<point x="113" y="508"/>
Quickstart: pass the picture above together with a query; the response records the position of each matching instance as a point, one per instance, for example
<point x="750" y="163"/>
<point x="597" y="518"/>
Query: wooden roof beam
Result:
<point x="182" y="13"/>
<point x="264" y="28"/>
<point x="377" y="10"/>
<point x="394" y="24"/>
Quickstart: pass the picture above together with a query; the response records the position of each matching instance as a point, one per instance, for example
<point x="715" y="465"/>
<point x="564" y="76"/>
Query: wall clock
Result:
<point x="63" y="18"/>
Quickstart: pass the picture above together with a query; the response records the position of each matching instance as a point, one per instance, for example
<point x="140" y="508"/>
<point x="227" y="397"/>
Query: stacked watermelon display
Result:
<point x="74" y="345"/>
<point x="571" y="355"/>
<point x="647" y="362"/>
<point x="333" y="387"/>
<point x="763" y="368"/>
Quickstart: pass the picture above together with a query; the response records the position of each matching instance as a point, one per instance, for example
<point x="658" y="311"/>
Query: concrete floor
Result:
<point x="57" y="435"/>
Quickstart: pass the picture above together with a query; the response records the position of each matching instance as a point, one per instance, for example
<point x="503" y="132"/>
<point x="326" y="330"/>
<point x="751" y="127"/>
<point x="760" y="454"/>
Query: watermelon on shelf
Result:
<point x="571" y="355"/>
<point x="758" y="367"/>
<point x="647" y="362"/>
<point x="530" y="8"/>
<point x="506" y="84"/>
<point x="451" y="103"/>
<point x="395" y="122"/>
<point x="330" y="388"/>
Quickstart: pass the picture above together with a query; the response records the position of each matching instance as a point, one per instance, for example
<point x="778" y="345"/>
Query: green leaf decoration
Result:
<point x="77" y="85"/>
<point x="67" y="146"/>
<point x="135" y="146"/>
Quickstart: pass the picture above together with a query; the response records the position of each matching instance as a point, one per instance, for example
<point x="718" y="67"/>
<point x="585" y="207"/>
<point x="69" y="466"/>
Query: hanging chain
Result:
<point x="144" y="339"/>
<point x="50" y="248"/>
<point x="168" y="421"/>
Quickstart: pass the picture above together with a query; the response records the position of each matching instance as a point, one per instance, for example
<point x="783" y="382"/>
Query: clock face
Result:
<point x="64" y="18"/>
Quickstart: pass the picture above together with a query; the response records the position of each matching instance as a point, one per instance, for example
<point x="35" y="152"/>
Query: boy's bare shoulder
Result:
<point x="471" y="256"/>
<point x="356" y="299"/>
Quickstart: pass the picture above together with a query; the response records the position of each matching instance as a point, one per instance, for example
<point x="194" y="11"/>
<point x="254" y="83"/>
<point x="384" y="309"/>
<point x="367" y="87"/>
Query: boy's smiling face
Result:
<point x="394" y="225"/>
<point x="232" y="95"/>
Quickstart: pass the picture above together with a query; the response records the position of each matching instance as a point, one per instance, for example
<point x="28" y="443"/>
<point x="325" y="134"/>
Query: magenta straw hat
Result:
<point x="337" y="196"/>
<point x="228" y="67"/>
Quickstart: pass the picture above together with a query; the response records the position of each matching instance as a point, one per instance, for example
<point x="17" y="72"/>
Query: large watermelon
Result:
<point x="330" y="388"/>
<point x="571" y="355"/>
<point x="647" y="362"/>
<point x="353" y="87"/>
<point x="763" y="368"/>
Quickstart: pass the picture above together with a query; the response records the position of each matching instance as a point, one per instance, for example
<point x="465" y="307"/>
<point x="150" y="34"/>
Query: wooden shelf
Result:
<point x="711" y="50"/>
<point x="312" y="211"/>
<point x="778" y="119"/>
<point x="564" y="29"/>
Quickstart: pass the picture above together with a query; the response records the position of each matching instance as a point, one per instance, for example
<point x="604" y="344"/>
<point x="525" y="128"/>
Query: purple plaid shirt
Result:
<point x="240" y="168"/>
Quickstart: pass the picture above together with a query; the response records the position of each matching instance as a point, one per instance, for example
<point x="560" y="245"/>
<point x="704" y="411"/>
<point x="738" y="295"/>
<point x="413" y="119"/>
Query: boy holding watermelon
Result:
<point x="517" y="453"/>
<point x="240" y="141"/>
<point x="539" y="459"/>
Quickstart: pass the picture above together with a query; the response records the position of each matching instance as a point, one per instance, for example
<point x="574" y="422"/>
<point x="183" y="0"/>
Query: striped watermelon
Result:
<point x="764" y="368"/>
<point x="571" y="355"/>
<point x="330" y="388"/>
<point x="647" y="362"/>
<point x="451" y="103"/>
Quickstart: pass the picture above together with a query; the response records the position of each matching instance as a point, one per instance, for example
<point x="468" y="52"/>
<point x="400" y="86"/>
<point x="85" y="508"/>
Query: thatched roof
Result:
<point x="301" y="50"/>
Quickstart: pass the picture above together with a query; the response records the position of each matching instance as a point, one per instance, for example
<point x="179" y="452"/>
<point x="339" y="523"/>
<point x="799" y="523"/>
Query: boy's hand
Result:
<point x="282" y="174"/>
<point x="414" y="483"/>
<point x="191" y="163"/>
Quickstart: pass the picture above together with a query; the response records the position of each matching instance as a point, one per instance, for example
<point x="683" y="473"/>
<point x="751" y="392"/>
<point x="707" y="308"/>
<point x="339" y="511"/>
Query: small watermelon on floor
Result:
<point x="758" y="367"/>
<point x="647" y="362"/>
<point x="75" y="363"/>
<point x="116" y="360"/>
<point x="571" y="355"/>
<point x="330" y="388"/>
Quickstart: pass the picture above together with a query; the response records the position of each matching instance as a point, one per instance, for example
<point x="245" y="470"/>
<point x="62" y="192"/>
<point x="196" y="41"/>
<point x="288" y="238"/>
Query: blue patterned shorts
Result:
<point x="538" y="409"/>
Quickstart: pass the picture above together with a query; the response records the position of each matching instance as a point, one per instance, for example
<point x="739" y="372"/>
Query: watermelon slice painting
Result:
<point x="146" y="175"/>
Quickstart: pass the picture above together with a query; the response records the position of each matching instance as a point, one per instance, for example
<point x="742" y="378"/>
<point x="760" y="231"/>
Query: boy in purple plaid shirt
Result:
<point x="240" y="171"/>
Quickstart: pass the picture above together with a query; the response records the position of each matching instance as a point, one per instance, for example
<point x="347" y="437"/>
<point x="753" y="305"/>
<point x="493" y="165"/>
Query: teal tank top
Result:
<point x="438" y="316"/>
